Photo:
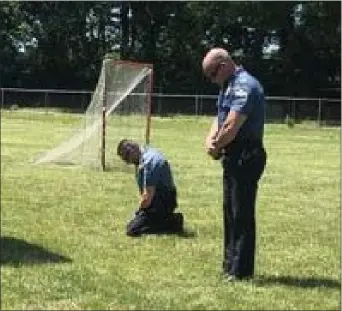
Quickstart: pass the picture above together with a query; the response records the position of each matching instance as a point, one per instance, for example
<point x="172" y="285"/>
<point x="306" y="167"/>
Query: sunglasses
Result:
<point x="213" y="73"/>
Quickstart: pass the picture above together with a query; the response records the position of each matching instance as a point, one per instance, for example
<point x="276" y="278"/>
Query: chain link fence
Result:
<point x="323" y="111"/>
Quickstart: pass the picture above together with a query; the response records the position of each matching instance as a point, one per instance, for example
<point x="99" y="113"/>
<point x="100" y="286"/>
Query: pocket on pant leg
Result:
<point x="252" y="163"/>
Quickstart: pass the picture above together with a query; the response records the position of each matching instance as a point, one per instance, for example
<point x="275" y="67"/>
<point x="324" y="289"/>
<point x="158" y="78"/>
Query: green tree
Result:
<point x="11" y="33"/>
<point x="62" y="44"/>
<point x="72" y="39"/>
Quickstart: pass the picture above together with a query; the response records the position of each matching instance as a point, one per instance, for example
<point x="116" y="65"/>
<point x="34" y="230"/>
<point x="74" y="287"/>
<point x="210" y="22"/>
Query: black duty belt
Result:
<point x="240" y="143"/>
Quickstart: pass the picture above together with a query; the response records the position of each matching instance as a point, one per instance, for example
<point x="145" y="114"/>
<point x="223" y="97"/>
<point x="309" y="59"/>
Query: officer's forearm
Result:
<point x="225" y="136"/>
<point x="213" y="130"/>
<point x="229" y="129"/>
<point x="146" y="197"/>
<point x="145" y="202"/>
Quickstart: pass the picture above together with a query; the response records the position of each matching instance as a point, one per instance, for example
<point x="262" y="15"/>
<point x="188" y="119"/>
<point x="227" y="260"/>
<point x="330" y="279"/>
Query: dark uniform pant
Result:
<point x="243" y="165"/>
<point x="158" y="217"/>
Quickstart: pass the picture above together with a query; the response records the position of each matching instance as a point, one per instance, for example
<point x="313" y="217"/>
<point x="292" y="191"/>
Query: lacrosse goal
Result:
<point x="120" y="108"/>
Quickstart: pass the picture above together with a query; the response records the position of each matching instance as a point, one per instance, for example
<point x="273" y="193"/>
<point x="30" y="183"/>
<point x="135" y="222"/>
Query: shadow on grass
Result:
<point x="308" y="282"/>
<point x="186" y="233"/>
<point x="15" y="252"/>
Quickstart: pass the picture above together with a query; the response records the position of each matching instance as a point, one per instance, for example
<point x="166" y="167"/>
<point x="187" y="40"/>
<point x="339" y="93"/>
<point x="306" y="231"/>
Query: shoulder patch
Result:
<point x="240" y="92"/>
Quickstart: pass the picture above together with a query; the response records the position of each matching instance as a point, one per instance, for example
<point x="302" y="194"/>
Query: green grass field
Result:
<point x="63" y="242"/>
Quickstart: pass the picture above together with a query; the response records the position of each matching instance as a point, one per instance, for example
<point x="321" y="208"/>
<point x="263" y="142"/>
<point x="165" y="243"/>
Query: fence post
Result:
<point x="196" y="105"/>
<point x="201" y="105"/>
<point x="2" y="98"/>
<point x="159" y="103"/>
<point x="45" y="101"/>
<point x="294" y="110"/>
<point x="319" y="112"/>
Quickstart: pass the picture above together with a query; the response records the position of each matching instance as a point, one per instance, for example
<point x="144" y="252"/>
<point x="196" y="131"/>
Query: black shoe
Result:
<point x="230" y="278"/>
<point x="177" y="222"/>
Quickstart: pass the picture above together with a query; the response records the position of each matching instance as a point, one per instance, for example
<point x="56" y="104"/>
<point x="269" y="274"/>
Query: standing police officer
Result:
<point x="236" y="137"/>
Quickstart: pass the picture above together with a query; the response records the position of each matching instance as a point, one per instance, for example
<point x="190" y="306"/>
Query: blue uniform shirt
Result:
<point x="244" y="94"/>
<point x="154" y="170"/>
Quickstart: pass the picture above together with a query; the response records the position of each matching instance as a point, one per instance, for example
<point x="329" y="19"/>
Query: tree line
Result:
<point x="293" y="47"/>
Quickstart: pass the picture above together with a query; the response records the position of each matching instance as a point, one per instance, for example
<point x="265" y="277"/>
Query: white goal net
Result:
<point x="120" y="108"/>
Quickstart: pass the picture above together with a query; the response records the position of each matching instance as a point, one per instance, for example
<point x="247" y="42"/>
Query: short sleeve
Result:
<point x="242" y="98"/>
<point x="149" y="176"/>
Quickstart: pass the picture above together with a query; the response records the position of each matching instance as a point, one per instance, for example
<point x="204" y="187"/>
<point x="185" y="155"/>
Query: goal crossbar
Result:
<point x="123" y="93"/>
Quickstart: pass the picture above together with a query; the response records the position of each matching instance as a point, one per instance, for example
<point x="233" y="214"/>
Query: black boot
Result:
<point x="177" y="222"/>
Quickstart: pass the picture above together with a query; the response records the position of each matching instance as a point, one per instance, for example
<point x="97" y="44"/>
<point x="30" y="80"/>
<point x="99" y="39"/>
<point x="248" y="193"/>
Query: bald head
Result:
<point x="215" y="55"/>
<point x="217" y="65"/>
